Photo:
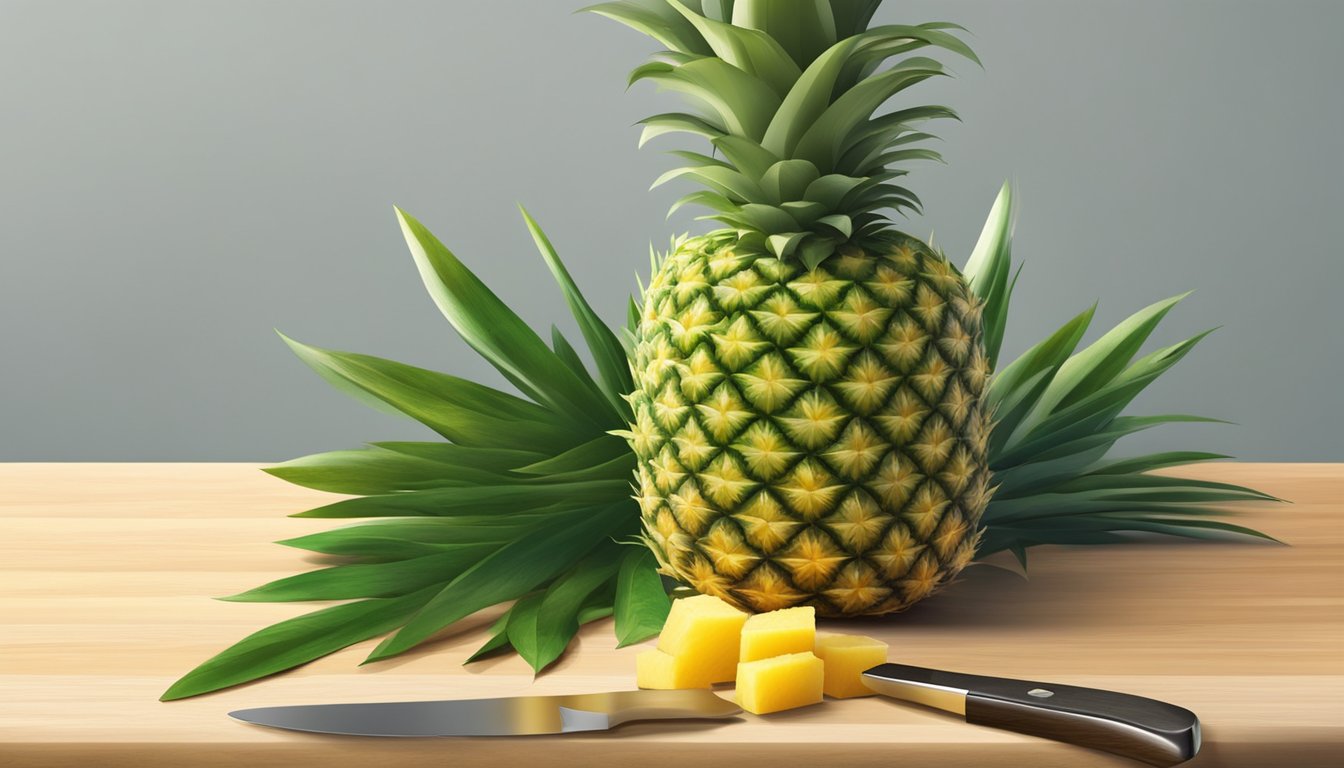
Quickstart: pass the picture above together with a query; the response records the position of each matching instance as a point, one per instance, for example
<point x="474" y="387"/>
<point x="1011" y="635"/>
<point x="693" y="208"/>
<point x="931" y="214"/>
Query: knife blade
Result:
<point x="1148" y="730"/>
<point x="510" y="716"/>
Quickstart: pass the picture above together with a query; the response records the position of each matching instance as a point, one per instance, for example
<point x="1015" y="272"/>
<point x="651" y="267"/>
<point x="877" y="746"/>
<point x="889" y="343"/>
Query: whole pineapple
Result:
<point x="808" y="412"/>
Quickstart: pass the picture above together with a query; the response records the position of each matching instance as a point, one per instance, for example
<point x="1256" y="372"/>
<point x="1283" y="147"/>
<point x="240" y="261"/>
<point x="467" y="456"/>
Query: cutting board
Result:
<point x="107" y="570"/>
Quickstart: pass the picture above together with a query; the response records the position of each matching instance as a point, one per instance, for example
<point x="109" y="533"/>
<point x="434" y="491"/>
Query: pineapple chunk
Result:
<point x="704" y="633"/>
<point x="791" y="630"/>
<point x="846" y="658"/>
<point x="780" y="683"/>
<point x="663" y="671"/>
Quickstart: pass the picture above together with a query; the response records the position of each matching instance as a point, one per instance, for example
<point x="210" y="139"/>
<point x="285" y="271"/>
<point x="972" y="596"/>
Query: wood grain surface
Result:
<point x="107" y="570"/>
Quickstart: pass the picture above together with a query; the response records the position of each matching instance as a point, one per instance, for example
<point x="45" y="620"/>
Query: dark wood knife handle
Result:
<point x="1152" y="731"/>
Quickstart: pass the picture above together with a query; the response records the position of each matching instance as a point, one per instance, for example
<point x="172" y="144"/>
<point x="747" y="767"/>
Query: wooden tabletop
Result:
<point x="107" y="570"/>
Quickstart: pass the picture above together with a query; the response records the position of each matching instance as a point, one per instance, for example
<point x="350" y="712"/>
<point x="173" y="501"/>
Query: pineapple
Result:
<point x="805" y="409"/>
<point x="809" y="412"/>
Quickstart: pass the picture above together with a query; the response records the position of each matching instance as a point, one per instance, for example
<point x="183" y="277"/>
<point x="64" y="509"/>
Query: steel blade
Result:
<point x="512" y="716"/>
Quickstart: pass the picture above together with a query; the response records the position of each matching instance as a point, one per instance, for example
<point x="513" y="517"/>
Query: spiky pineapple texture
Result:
<point x="811" y="436"/>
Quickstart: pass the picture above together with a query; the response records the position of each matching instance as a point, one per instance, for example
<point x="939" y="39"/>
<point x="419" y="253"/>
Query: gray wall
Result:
<point x="178" y="178"/>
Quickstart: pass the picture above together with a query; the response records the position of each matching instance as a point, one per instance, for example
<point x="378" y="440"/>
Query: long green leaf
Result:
<point x="988" y="270"/>
<point x="346" y="582"/>
<point x="726" y="181"/>
<point x="787" y="180"/>
<point x="642" y="604"/>
<point x="804" y="28"/>
<point x="740" y="102"/>
<point x="1103" y="360"/>
<point x="1118" y="428"/>
<point x="514" y="569"/>
<point x="746" y="155"/>
<point x="1153" y="461"/>
<point x="298" y="641"/>
<point x="879" y="44"/>
<point x="612" y="366"/>
<point x="852" y="16"/>
<point x="373" y="471"/>
<point x="369" y="537"/>
<point x="497" y="641"/>
<point x="1096" y="410"/>
<point x="597" y="451"/>
<point x="489" y="459"/>
<point x="750" y="50"/>
<point x="524" y="495"/>
<point x="522" y="626"/>
<point x="498" y="334"/>
<point x="677" y="122"/>
<point x="806" y="101"/>
<point x="824" y="140"/>
<point x="657" y="19"/>
<point x="463" y="411"/>
<point x="558" y="614"/>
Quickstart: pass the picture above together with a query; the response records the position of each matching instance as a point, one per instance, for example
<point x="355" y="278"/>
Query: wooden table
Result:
<point x="106" y="574"/>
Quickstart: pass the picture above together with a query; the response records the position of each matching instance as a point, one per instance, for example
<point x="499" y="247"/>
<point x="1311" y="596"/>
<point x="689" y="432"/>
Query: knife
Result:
<point x="513" y="716"/>
<point x="1152" y="731"/>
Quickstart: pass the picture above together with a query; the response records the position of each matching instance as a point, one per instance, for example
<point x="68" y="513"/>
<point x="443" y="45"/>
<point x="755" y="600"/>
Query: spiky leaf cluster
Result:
<point x="787" y="95"/>
<point x="1059" y="411"/>
<point x="526" y="500"/>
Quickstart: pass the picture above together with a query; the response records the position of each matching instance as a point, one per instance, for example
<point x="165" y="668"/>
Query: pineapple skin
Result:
<point x="810" y="437"/>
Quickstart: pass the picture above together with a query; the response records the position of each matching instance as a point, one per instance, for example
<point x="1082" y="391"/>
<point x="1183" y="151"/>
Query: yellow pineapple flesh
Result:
<point x="790" y="630"/>
<point x="846" y="658"/>
<point x="706" y="632"/>
<point x="779" y="683"/>
<point x="659" y="670"/>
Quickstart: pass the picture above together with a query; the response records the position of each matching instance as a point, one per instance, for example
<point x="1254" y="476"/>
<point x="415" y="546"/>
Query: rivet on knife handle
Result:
<point x="1144" y="729"/>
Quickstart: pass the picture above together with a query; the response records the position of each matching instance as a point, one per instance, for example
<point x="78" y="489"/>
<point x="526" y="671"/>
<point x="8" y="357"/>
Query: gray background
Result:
<point x="178" y="178"/>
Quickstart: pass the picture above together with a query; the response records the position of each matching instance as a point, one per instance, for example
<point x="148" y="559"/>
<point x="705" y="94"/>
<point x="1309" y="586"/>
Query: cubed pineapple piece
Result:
<point x="663" y="671"/>
<point x="847" y="657"/>
<point x="780" y="683"/>
<point x="705" y="633"/>
<point x="791" y="630"/>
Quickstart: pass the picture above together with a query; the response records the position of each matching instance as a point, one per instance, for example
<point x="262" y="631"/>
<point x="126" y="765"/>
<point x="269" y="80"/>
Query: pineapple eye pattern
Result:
<point x="840" y="460"/>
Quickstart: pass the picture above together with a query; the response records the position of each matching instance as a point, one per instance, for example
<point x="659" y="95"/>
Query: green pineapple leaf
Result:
<point x="297" y="641"/>
<point x="429" y="535"/>
<point x="378" y="470"/>
<point x="500" y="336"/>
<point x="988" y="269"/>
<point x="557" y="618"/>
<point x="462" y="411"/>
<point x="517" y="498"/>
<point x="750" y="50"/>
<point x="1058" y="412"/>
<point x="642" y="603"/>
<point x="517" y="567"/>
<point x="498" y="640"/>
<point x="613" y="370"/>
<point x="657" y="19"/>
<point x="518" y="495"/>
<point x="346" y="582"/>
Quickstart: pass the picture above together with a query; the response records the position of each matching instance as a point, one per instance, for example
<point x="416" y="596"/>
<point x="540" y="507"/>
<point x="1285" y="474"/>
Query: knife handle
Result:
<point x="1152" y="731"/>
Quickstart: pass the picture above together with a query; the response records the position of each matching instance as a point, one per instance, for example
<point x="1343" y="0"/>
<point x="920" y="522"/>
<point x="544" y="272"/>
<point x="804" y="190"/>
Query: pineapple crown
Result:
<point x="786" y="92"/>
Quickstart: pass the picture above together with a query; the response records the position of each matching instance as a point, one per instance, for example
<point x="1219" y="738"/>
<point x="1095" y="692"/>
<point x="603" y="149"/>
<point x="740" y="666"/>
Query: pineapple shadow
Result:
<point x="1064" y="587"/>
